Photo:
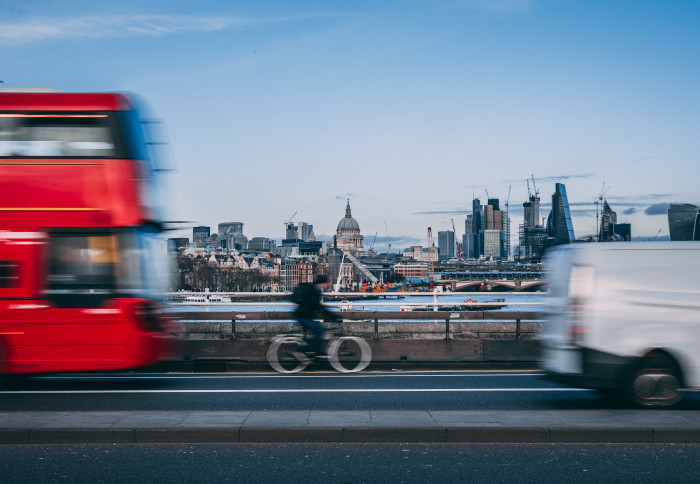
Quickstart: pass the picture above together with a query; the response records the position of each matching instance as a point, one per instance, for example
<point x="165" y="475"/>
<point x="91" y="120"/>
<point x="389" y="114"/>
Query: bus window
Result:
<point x="88" y="269"/>
<point x="82" y="264"/>
<point x="9" y="274"/>
<point x="57" y="135"/>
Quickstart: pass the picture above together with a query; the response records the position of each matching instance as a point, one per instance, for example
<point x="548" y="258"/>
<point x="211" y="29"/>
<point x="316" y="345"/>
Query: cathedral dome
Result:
<point x="348" y="224"/>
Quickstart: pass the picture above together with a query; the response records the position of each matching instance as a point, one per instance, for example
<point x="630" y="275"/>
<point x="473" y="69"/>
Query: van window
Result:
<point x="9" y="274"/>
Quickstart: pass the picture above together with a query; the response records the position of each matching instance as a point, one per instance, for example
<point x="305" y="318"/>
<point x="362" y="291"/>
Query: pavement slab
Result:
<point x="471" y="426"/>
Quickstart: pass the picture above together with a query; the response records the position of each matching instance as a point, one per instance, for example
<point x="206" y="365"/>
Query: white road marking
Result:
<point x="278" y="375"/>
<point x="320" y="390"/>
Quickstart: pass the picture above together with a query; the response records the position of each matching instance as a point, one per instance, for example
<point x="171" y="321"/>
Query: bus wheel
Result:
<point x="656" y="382"/>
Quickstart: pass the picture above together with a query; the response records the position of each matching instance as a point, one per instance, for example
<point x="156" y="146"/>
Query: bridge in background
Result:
<point x="496" y="285"/>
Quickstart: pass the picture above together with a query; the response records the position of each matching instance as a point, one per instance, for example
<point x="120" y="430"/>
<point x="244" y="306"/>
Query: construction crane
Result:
<point x="534" y="197"/>
<point x="286" y="224"/>
<point x="289" y="221"/>
<point x="361" y="267"/>
<point x="459" y="246"/>
<point x="387" y="237"/>
<point x="430" y="258"/>
<point x="534" y="187"/>
<point x="371" y="247"/>
<point x="507" y="223"/>
<point x="598" y="209"/>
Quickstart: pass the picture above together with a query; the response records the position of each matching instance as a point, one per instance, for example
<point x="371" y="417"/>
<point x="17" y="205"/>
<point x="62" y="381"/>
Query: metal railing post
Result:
<point x="376" y="328"/>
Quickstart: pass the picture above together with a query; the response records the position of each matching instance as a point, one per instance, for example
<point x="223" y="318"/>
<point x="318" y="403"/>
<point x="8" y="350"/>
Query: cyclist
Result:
<point x="309" y="303"/>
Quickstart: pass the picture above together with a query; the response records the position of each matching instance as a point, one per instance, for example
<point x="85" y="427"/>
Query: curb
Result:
<point x="246" y="435"/>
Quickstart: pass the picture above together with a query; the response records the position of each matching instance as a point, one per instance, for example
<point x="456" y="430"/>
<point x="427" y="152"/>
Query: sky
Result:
<point x="407" y="108"/>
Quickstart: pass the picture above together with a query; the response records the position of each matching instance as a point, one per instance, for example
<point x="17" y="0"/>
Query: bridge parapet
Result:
<point x="230" y="325"/>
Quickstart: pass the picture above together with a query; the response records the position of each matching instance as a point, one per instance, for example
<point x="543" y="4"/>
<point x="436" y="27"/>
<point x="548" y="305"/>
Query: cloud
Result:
<point x="445" y="212"/>
<point x="110" y="26"/>
<point x="656" y="209"/>
<point x="561" y="178"/>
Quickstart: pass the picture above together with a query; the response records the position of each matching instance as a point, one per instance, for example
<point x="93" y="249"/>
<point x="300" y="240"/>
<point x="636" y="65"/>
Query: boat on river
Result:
<point x="470" y="305"/>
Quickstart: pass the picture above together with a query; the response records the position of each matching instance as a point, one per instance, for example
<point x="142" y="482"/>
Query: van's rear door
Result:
<point x="571" y="285"/>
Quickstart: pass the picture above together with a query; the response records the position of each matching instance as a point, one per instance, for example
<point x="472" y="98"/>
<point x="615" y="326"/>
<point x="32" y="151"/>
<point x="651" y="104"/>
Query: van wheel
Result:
<point x="655" y="382"/>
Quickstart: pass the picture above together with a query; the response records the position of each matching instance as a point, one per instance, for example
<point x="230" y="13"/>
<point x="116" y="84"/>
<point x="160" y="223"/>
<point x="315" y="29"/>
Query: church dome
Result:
<point x="348" y="224"/>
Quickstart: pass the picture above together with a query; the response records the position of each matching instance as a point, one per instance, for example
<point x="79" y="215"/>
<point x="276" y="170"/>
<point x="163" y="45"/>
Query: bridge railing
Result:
<point x="240" y="331"/>
<point x="368" y="324"/>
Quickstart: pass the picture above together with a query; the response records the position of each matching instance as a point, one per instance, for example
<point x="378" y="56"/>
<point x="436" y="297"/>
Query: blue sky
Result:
<point x="406" y="107"/>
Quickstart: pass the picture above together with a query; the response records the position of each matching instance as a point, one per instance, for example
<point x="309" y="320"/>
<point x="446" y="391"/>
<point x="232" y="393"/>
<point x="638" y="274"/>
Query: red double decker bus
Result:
<point x="81" y="260"/>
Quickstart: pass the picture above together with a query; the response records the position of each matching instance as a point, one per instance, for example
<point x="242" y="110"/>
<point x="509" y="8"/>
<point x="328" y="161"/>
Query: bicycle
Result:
<point x="346" y="354"/>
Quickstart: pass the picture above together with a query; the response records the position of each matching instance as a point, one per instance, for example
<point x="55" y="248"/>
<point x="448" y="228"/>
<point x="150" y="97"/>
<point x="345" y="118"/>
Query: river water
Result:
<point x="514" y="302"/>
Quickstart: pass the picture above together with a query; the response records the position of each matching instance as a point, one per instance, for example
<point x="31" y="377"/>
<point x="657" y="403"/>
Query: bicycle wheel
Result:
<point x="349" y="354"/>
<point x="284" y="356"/>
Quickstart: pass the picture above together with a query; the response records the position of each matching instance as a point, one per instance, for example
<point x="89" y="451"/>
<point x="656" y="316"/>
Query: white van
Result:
<point x="625" y="316"/>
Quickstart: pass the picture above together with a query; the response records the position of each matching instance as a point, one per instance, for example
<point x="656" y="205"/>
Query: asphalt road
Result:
<point x="462" y="390"/>
<point x="351" y="463"/>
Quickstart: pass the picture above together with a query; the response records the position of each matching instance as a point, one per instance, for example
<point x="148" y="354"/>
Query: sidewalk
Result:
<point x="474" y="426"/>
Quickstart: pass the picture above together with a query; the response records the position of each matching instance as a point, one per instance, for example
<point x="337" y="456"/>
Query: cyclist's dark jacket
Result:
<point x="307" y="297"/>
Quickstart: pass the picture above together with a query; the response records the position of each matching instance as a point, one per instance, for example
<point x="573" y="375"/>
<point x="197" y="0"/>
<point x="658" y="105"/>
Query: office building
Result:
<point x="531" y="233"/>
<point x="484" y="218"/>
<point x="477" y="227"/>
<point x="468" y="239"/>
<point x="446" y="244"/>
<point x="261" y="244"/>
<point x="622" y="232"/>
<point x="683" y="221"/>
<point x="231" y="235"/>
<point x="200" y="234"/>
<point x="493" y="243"/>
<point x="306" y="232"/>
<point x="230" y="228"/>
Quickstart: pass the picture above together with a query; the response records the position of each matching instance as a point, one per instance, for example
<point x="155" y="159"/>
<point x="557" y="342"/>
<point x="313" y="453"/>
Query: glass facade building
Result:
<point x="560" y="229"/>
<point x="446" y="244"/>
<point x="683" y="221"/>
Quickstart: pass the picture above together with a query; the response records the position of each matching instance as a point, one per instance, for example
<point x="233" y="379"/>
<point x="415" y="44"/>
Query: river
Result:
<point x="515" y="301"/>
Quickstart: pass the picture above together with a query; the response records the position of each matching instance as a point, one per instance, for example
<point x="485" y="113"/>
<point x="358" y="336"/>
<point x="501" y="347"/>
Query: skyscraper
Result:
<point x="305" y="231"/>
<point x="608" y="219"/>
<point x="468" y="239"/>
<point x="532" y="234"/>
<point x="446" y="244"/>
<point x="531" y="211"/>
<point x="477" y="227"/>
<point x="489" y="218"/>
<point x="560" y="229"/>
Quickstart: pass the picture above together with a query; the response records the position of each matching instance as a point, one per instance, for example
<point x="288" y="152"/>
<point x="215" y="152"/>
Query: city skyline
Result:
<point x="409" y="109"/>
<point x="609" y="229"/>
